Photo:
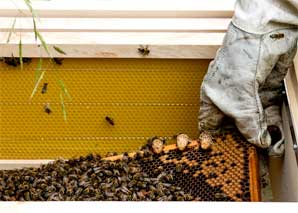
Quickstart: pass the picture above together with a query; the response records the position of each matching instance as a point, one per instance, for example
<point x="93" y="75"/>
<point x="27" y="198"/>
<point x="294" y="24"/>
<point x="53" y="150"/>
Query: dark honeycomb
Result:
<point x="219" y="174"/>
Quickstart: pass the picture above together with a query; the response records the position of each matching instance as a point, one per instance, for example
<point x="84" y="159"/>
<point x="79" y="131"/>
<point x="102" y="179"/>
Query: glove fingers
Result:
<point x="273" y="118"/>
<point x="210" y="117"/>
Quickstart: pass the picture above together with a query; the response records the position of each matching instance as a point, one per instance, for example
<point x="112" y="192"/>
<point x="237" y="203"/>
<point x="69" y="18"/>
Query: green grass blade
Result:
<point x="63" y="107"/>
<point x="21" y="53"/>
<point x="29" y="5"/>
<point x="35" y="29"/>
<point x="44" y="44"/>
<point x="63" y="88"/>
<point x="59" y="50"/>
<point x="37" y="83"/>
<point x="38" y="70"/>
<point x="11" y="30"/>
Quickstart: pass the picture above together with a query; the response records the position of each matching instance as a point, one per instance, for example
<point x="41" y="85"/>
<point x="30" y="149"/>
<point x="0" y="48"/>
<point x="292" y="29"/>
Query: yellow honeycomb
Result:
<point x="144" y="97"/>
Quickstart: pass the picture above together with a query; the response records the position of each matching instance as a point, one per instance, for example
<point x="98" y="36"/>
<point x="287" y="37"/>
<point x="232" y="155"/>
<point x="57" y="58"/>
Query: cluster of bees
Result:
<point x="90" y="178"/>
<point x="14" y="61"/>
<point x="190" y="171"/>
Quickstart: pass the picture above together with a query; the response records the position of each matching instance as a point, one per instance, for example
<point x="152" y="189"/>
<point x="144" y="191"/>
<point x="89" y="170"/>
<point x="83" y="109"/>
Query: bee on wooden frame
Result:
<point x="144" y="50"/>
<point x="58" y="60"/>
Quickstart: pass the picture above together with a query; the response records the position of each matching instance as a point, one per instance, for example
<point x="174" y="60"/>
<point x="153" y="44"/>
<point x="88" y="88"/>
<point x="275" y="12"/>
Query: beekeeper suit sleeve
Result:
<point x="243" y="80"/>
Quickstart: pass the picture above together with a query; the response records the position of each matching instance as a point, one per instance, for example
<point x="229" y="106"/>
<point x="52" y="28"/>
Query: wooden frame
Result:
<point x="291" y="84"/>
<point x="121" y="9"/>
<point x="112" y="29"/>
<point x="111" y="38"/>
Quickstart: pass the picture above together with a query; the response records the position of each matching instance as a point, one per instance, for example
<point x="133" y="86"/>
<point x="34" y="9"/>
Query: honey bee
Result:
<point x="110" y="120"/>
<point x="144" y="50"/>
<point x="182" y="141"/>
<point x="111" y="154"/>
<point x="44" y="88"/>
<point x="156" y="143"/>
<point x="277" y="36"/>
<point x="47" y="108"/>
<point x="206" y="140"/>
<point x="179" y="168"/>
<point x="220" y="196"/>
<point x="58" y="60"/>
<point x="12" y="61"/>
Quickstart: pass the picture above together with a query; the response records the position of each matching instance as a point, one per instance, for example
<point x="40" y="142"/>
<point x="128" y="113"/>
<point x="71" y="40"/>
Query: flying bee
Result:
<point x="144" y="50"/>
<point x="110" y="120"/>
<point x="47" y="108"/>
<point x="44" y="88"/>
<point x="277" y="36"/>
<point x="58" y="60"/>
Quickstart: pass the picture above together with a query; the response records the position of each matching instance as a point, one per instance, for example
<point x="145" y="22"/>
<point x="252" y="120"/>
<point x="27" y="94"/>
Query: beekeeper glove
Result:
<point x="232" y="84"/>
<point x="275" y="129"/>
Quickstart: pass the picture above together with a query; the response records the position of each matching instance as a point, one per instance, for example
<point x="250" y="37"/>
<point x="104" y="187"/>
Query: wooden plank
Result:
<point x="120" y="8"/>
<point x="296" y="64"/>
<point x="166" y="148"/>
<point x="18" y="164"/>
<point x="291" y="84"/>
<point x="116" y="24"/>
<point x="284" y="171"/>
<point x="116" y="45"/>
<point x="254" y="176"/>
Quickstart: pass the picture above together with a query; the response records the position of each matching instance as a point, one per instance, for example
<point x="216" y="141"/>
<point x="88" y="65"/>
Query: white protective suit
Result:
<point x="244" y="79"/>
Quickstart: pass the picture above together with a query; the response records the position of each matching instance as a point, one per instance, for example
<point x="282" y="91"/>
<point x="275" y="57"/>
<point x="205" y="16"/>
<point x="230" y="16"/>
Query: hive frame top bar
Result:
<point x="120" y="8"/>
<point x="175" y="29"/>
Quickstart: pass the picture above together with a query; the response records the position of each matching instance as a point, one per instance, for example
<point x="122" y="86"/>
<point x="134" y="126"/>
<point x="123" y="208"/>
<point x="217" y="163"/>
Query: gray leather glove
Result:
<point x="245" y="69"/>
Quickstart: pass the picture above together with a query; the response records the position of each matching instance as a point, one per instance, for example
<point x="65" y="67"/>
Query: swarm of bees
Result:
<point x="89" y="178"/>
<point x="146" y="175"/>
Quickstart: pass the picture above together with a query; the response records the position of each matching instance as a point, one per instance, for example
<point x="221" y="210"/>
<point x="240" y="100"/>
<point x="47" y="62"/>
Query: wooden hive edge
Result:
<point x="166" y="148"/>
<point x="254" y="177"/>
